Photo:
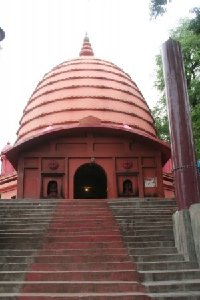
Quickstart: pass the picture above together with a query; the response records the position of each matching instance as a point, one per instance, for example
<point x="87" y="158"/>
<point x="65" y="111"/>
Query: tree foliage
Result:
<point x="188" y="34"/>
<point x="157" y="7"/>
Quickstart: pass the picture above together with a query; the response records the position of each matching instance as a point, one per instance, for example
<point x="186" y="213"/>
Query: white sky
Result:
<point x="43" y="33"/>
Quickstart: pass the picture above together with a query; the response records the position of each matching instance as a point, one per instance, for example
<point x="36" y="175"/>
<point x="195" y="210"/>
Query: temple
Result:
<point x="91" y="219"/>
<point x="86" y="133"/>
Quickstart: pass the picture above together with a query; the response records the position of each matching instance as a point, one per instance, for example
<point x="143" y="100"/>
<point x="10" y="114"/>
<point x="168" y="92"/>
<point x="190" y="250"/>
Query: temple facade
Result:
<point x="87" y="133"/>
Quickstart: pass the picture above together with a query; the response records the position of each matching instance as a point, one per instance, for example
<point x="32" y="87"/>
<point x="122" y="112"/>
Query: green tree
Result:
<point x="188" y="34"/>
<point x="157" y="7"/>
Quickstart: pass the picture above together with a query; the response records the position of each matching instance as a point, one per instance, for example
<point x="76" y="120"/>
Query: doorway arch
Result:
<point x="90" y="182"/>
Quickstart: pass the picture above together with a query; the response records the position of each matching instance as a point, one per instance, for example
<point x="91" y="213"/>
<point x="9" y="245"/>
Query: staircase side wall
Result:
<point x="186" y="225"/>
<point x="195" y="222"/>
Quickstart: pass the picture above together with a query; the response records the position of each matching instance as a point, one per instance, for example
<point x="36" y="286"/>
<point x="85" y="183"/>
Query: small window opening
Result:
<point x="52" y="189"/>
<point x="127" y="187"/>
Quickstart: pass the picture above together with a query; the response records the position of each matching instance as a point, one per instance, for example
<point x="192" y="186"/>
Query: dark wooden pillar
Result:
<point x="183" y="151"/>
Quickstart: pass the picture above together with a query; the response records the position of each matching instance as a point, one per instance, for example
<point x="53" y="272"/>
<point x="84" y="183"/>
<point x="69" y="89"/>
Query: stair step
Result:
<point x="148" y="238"/>
<point x="73" y="249"/>
<point x="170" y="275"/>
<point x="183" y="295"/>
<point x="65" y="258"/>
<point x="170" y="285"/>
<point x="152" y="250"/>
<point x="158" y="257"/>
<point x="133" y="232"/>
<point x="76" y="296"/>
<point x="71" y="286"/>
<point x="146" y="244"/>
<point x="94" y="266"/>
<point x="122" y="275"/>
<point x="161" y="265"/>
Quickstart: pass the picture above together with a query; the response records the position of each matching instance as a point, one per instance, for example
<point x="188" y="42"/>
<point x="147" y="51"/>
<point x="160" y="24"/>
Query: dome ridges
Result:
<point x="49" y="84"/>
<point x="70" y="124"/>
<point x="43" y="127"/>
<point x="84" y="70"/>
<point x="123" y="80"/>
<point x="100" y="86"/>
<point x="121" y="74"/>
<point x="89" y="97"/>
<point x="87" y="61"/>
<point x="89" y="70"/>
<point x="41" y="115"/>
<point x="82" y="77"/>
<point x="86" y="49"/>
<point x="134" y="105"/>
<point x="85" y="86"/>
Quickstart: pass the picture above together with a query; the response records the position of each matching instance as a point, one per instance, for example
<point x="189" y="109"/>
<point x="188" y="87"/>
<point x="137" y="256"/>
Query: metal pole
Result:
<point x="187" y="189"/>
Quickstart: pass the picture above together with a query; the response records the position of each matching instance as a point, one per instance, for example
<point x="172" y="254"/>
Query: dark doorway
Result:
<point x="90" y="182"/>
<point x="52" y="189"/>
<point x="127" y="188"/>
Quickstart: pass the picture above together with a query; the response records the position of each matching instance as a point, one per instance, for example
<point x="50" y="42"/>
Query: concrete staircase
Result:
<point x="62" y="249"/>
<point x="146" y="226"/>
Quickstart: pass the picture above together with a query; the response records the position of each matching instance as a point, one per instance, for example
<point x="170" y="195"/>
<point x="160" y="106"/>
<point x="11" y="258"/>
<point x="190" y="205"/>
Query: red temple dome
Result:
<point x="81" y="88"/>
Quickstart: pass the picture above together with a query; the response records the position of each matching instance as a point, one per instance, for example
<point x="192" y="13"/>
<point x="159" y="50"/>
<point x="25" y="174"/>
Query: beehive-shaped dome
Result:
<point x="81" y="88"/>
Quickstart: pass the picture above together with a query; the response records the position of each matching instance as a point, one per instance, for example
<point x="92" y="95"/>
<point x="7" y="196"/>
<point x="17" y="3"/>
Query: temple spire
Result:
<point x="86" y="49"/>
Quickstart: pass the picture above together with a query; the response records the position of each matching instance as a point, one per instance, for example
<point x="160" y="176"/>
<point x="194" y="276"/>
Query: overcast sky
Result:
<point x="43" y="33"/>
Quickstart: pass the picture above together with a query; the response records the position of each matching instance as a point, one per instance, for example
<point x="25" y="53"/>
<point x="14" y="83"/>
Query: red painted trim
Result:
<point x="81" y="86"/>
<point x="13" y="153"/>
<point x="85" y="97"/>
<point x="61" y="123"/>
<point x="85" y="109"/>
<point x="41" y="86"/>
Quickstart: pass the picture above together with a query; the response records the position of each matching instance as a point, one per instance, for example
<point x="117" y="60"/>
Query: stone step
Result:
<point x="148" y="226"/>
<point x="122" y="275"/>
<point x="84" y="258"/>
<point x="158" y="257"/>
<point x="142" y="219"/>
<point x="146" y="244"/>
<point x="146" y="223"/>
<point x="61" y="245"/>
<point x="151" y="201"/>
<point x="147" y="216"/>
<point x="83" y="249"/>
<point x="13" y="252"/>
<point x="146" y="238"/>
<point x="183" y="295"/>
<point x="154" y="211"/>
<point x="94" y="266"/>
<point x="173" y="265"/>
<point x="57" y="225"/>
<point x="170" y="275"/>
<point x="78" y="251"/>
<point x="62" y="238"/>
<point x="74" y="286"/>
<point x="56" y="230"/>
<point x="133" y="232"/>
<point x="56" y="210"/>
<point x="58" y="233"/>
<point x="76" y="296"/>
<point x="152" y="250"/>
<point x="22" y="245"/>
<point x="173" y="285"/>
<point x="146" y="211"/>
<point x="58" y="218"/>
<point x="83" y="238"/>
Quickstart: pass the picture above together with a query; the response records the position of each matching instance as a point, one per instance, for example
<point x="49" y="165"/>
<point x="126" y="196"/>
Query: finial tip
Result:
<point x="86" y="49"/>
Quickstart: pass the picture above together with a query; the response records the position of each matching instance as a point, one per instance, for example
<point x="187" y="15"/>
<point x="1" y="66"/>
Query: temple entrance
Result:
<point x="90" y="182"/>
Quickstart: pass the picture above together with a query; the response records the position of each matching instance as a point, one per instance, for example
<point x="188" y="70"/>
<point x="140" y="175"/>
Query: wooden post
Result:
<point x="186" y="179"/>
